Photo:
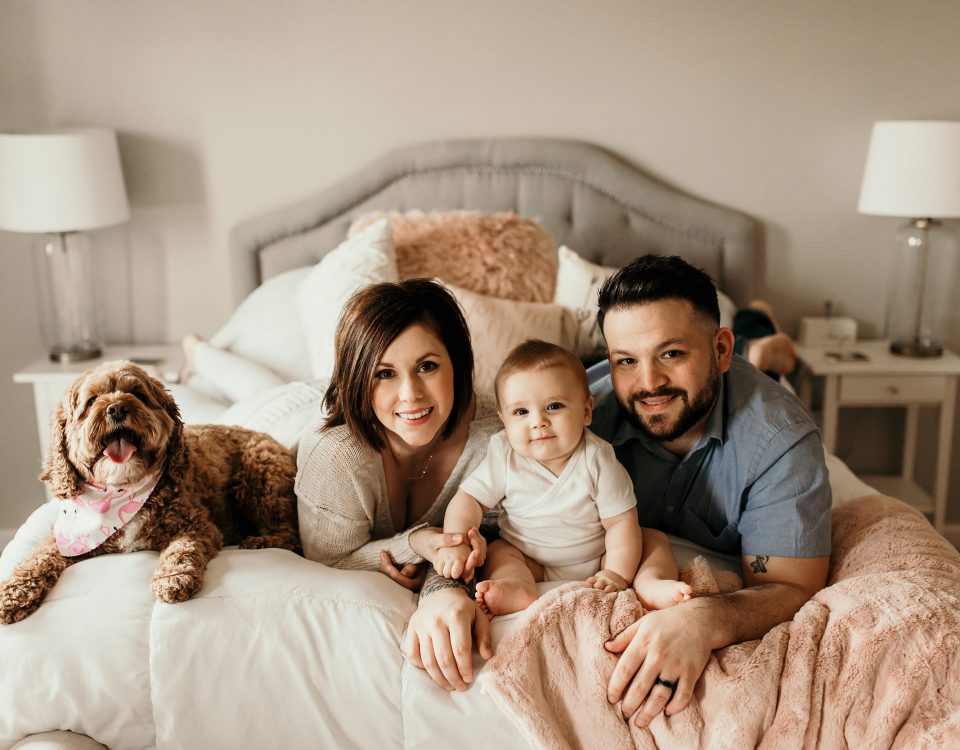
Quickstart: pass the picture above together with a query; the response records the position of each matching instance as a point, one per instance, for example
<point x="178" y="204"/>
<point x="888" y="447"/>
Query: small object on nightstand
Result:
<point x="847" y="356"/>
<point x="829" y="331"/>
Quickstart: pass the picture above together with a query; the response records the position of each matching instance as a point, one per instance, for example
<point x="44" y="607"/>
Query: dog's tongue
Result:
<point x="119" y="450"/>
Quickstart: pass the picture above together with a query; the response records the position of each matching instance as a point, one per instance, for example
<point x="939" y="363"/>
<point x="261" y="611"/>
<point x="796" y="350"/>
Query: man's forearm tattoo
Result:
<point x="759" y="563"/>
<point x="436" y="582"/>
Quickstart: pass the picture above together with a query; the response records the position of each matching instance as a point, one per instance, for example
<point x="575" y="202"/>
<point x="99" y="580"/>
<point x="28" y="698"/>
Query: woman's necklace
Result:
<point x="423" y="471"/>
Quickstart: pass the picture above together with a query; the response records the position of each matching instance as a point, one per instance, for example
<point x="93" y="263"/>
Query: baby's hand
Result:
<point x="663" y="593"/>
<point x="607" y="580"/>
<point x="451" y="562"/>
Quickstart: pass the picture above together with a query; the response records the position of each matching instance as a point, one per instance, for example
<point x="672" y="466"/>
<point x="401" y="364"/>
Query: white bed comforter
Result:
<point x="275" y="651"/>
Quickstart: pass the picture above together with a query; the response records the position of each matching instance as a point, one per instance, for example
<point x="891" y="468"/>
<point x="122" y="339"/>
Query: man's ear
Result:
<point x="723" y="348"/>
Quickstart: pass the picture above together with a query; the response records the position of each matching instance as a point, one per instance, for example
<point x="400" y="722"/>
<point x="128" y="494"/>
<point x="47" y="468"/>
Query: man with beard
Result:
<point x="721" y="455"/>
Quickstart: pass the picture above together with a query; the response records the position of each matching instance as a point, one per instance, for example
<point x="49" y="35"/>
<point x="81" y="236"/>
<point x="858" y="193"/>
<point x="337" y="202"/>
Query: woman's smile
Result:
<point x="420" y="416"/>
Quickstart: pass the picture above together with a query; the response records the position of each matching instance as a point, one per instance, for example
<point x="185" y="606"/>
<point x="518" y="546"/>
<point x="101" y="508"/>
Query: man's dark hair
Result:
<point x="651" y="278"/>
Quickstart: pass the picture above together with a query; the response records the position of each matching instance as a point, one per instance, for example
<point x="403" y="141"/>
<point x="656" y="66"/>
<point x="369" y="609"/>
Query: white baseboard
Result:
<point x="5" y="536"/>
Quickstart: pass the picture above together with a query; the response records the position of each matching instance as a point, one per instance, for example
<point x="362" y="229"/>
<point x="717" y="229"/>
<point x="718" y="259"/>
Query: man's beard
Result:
<point x="660" y="427"/>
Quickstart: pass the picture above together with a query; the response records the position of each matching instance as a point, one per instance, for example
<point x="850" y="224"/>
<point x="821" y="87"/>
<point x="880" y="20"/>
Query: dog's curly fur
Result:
<point x="218" y="485"/>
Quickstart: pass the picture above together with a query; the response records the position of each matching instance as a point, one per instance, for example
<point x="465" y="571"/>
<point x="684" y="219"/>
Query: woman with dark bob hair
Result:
<point x="402" y="429"/>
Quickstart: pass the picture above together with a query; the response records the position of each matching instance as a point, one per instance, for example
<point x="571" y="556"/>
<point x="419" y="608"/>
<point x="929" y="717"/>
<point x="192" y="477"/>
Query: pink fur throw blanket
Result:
<point x="500" y="255"/>
<point x="870" y="662"/>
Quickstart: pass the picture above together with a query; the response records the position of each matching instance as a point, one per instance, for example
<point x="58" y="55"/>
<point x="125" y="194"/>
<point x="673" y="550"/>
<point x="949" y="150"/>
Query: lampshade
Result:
<point x="63" y="180"/>
<point x="912" y="170"/>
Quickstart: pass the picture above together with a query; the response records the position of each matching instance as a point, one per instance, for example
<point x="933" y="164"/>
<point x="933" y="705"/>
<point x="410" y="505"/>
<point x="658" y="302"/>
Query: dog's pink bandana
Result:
<point x="88" y="520"/>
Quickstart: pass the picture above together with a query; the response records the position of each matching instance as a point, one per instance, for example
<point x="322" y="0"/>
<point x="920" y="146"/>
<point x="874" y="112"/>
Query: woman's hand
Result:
<point x="438" y="637"/>
<point x="410" y="576"/>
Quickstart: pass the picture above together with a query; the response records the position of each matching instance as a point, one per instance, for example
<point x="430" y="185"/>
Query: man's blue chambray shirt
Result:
<point x="755" y="483"/>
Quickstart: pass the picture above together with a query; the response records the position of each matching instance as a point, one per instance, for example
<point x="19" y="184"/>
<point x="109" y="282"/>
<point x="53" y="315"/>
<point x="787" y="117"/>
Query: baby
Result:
<point x="569" y="511"/>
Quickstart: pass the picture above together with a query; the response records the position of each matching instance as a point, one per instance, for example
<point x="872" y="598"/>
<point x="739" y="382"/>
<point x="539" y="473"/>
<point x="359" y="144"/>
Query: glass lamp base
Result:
<point x="916" y="348"/>
<point x="68" y="296"/>
<point x="66" y="356"/>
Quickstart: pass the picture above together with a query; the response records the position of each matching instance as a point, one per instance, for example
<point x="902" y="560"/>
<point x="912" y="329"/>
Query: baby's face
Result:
<point x="544" y="413"/>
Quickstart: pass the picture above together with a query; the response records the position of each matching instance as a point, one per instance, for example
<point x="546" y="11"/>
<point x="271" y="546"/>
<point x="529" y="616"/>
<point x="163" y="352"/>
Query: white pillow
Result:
<point x="367" y="258"/>
<point x="579" y="281"/>
<point x="497" y="325"/>
<point x="281" y="412"/>
<point x="265" y="328"/>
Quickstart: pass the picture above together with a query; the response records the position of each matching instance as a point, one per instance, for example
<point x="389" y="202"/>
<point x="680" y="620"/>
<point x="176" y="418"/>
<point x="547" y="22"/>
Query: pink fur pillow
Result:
<point x="500" y="255"/>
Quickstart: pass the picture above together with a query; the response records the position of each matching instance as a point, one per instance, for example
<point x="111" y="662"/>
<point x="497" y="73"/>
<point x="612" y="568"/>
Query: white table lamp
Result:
<point x="61" y="183"/>
<point x="913" y="170"/>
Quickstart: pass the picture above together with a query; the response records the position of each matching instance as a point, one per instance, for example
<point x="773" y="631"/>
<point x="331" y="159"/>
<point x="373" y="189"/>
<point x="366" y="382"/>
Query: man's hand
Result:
<point x="674" y="644"/>
<point x="608" y="581"/>
<point x="671" y="644"/>
<point x="438" y="637"/>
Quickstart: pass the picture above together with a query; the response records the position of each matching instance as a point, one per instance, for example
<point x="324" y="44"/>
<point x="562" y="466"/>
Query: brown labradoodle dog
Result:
<point x="215" y="485"/>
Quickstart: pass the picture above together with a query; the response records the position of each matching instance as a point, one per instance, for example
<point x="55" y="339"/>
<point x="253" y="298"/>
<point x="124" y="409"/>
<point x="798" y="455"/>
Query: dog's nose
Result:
<point x="117" y="412"/>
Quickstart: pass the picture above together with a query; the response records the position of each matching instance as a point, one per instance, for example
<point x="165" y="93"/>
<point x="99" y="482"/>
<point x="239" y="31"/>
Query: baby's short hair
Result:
<point x="534" y="354"/>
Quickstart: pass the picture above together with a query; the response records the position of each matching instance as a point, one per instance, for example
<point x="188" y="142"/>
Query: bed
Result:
<point x="276" y="651"/>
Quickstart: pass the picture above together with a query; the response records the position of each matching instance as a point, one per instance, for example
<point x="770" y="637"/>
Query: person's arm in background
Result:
<point x="759" y="338"/>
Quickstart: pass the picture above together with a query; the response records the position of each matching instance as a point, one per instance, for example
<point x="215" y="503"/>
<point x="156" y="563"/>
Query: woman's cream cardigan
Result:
<point x="342" y="495"/>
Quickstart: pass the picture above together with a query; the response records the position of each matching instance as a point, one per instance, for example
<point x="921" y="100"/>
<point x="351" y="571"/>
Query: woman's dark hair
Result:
<point x="651" y="278"/>
<point x="372" y="318"/>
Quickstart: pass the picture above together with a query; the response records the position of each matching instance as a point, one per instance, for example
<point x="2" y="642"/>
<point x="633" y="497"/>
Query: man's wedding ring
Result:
<point x="666" y="683"/>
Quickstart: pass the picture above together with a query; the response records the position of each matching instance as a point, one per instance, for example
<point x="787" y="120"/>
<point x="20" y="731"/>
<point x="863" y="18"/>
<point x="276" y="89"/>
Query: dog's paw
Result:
<point x="18" y="601"/>
<point x="281" y="541"/>
<point x="175" y="587"/>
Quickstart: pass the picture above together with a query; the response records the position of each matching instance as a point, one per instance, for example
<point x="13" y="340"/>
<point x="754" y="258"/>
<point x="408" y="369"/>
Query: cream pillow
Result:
<point x="497" y="325"/>
<point x="282" y="412"/>
<point x="265" y="328"/>
<point x="367" y="258"/>
<point x="578" y="283"/>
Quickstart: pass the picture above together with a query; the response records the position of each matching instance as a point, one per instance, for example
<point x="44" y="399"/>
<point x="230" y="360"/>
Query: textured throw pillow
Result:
<point x="282" y="412"/>
<point x="579" y="281"/>
<point x="265" y="328"/>
<point x="501" y="254"/>
<point x="366" y="258"/>
<point x="497" y="325"/>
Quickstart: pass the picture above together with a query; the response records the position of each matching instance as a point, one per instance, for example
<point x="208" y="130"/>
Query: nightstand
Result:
<point x="886" y="380"/>
<point x="51" y="379"/>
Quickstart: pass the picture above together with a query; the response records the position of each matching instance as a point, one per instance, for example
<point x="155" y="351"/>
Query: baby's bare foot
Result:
<point x="505" y="596"/>
<point x="663" y="593"/>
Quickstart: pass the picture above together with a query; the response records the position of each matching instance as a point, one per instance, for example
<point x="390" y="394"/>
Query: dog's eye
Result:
<point x="140" y="394"/>
<point x="90" y="402"/>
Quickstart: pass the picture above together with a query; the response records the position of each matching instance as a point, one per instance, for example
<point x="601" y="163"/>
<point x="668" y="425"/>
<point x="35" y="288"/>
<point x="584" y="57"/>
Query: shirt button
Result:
<point x="669" y="509"/>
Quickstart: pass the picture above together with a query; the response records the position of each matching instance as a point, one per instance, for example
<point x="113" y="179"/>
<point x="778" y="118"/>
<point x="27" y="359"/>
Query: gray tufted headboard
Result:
<point x="600" y="206"/>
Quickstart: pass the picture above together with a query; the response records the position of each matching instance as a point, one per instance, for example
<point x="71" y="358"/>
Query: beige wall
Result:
<point x="227" y="108"/>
